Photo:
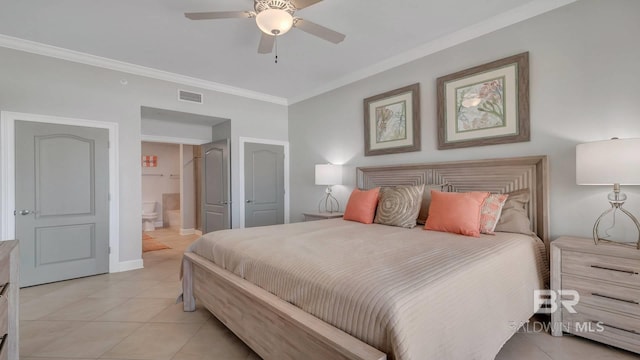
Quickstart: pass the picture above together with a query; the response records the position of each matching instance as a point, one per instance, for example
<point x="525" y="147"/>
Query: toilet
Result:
<point x="149" y="215"/>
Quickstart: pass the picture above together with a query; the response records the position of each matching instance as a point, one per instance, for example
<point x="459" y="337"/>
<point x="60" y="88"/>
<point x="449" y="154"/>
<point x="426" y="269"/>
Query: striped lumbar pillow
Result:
<point x="399" y="206"/>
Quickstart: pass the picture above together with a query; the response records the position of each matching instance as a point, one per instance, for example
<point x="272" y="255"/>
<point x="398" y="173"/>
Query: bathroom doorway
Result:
<point x="172" y="168"/>
<point x="168" y="188"/>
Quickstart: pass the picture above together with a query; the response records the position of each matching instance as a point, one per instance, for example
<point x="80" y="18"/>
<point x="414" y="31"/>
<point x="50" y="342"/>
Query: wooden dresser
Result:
<point x="607" y="278"/>
<point x="9" y="287"/>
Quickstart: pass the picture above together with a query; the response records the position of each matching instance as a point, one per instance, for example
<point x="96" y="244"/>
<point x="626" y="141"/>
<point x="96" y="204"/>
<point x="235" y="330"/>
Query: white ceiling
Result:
<point x="155" y="34"/>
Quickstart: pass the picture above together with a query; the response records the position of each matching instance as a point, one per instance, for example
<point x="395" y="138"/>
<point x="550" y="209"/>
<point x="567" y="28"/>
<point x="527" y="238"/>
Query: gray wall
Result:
<point x="221" y="131"/>
<point x="41" y="85"/>
<point x="584" y="75"/>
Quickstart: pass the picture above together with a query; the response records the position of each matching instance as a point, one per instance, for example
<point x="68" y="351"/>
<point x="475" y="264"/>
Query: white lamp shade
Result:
<point x="615" y="161"/>
<point x="328" y="174"/>
<point x="274" y="19"/>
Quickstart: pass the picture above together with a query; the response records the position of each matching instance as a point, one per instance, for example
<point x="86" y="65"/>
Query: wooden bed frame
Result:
<point x="276" y="329"/>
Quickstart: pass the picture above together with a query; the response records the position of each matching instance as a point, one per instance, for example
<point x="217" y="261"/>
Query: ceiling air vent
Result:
<point x="189" y="96"/>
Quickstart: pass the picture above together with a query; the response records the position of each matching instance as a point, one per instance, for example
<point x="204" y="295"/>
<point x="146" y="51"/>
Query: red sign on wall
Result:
<point x="149" y="161"/>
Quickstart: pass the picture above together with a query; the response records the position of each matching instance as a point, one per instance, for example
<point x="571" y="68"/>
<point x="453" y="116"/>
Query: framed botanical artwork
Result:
<point x="485" y="105"/>
<point x="392" y="121"/>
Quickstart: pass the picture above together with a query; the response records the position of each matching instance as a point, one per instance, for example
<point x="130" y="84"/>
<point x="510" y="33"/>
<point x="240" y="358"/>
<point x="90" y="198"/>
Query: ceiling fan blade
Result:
<point x="301" y="4"/>
<point x="218" y="15"/>
<point x="266" y="44"/>
<point x="319" y="31"/>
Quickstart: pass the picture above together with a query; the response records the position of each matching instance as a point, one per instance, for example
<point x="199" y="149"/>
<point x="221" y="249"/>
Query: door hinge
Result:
<point x="109" y="249"/>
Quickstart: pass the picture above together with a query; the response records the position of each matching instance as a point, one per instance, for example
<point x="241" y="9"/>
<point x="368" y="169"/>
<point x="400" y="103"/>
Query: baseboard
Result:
<point x="158" y="224"/>
<point x="187" y="231"/>
<point x="129" y="265"/>
<point x="199" y="232"/>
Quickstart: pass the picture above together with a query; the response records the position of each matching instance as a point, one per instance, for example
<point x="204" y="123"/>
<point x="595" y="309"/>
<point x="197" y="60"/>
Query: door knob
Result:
<point x="249" y="201"/>
<point x="24" y="212"/>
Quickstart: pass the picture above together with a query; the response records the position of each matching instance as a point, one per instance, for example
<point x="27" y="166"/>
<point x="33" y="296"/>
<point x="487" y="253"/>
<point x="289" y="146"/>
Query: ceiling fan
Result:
<point x="274" y="18"/>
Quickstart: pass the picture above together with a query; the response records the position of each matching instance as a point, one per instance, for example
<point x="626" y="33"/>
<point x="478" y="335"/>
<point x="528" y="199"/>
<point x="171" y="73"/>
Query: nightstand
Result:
<point x="607" y="279"/>
<point x="312" y="216"/>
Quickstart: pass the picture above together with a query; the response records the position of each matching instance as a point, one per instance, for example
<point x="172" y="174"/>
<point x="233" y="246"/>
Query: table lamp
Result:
<point x="610" y="162"/>
<point x="329" y="175"/>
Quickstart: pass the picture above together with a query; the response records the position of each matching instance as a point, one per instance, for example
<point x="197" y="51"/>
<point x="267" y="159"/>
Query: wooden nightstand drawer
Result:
<point x="604" y="295"/>
<point x="4" y="344"/>
<point x="4" y="270"/>
<point x="4" y="322"/>
<point x="602" y="267"/>
<point x="9" y="335"/>
<point x="4" y="314"/>
<point x="607" y="278"/>
<point x="604" y="326"/>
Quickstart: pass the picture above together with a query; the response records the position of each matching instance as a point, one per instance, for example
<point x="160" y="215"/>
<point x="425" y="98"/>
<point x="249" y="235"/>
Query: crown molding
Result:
<point x="524" y="12"/>
<point x="516" y="15"/>
<point x="102" y="62"/>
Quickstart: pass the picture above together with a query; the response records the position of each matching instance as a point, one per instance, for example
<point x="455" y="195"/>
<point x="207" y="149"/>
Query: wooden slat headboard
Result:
<point x="494" y="175"/>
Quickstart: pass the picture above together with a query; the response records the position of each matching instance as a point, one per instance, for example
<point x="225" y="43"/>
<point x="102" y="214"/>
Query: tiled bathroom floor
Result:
<point x="133" y="315"/>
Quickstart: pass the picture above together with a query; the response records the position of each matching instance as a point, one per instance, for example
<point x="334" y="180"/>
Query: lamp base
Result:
<point x="330" y="203"/>
<point x="616" y="199"/>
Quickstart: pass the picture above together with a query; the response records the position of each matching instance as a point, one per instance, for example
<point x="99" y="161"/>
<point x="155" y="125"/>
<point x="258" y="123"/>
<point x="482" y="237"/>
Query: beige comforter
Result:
<point x="413" y="294"/>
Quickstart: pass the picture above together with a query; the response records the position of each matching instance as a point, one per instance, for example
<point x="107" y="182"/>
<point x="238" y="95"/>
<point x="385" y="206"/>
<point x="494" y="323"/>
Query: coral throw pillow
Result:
<point x="490" y="212"/>
<point x="457" y="213"/>
<point x="361" y="206"/>
<point x="426" y="201"/>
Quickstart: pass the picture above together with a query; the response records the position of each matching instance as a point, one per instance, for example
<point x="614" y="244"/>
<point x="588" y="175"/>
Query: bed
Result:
<point x="376" y="291"/>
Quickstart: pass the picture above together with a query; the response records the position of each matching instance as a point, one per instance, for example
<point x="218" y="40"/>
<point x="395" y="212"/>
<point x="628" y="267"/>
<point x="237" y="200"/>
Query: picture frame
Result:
<point x="485" y="105"/>
<point x="392" y="121"/>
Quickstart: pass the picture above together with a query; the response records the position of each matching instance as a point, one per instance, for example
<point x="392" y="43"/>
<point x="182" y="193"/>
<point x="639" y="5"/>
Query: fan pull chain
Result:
<point x="276" y="41"/>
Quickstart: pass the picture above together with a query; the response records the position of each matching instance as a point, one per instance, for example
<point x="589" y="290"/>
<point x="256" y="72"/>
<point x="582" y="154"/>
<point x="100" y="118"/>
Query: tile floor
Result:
<point x="133" y="315"/>
<point x="128" y="315"/>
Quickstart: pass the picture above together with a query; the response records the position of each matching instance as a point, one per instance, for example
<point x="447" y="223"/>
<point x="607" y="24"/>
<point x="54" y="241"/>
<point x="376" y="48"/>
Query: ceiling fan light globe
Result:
<point x="274" y="21"/>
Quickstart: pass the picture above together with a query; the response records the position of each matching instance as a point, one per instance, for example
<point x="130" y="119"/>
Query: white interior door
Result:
<point x="263" y="184"/>
<point x="62" y="201"/>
